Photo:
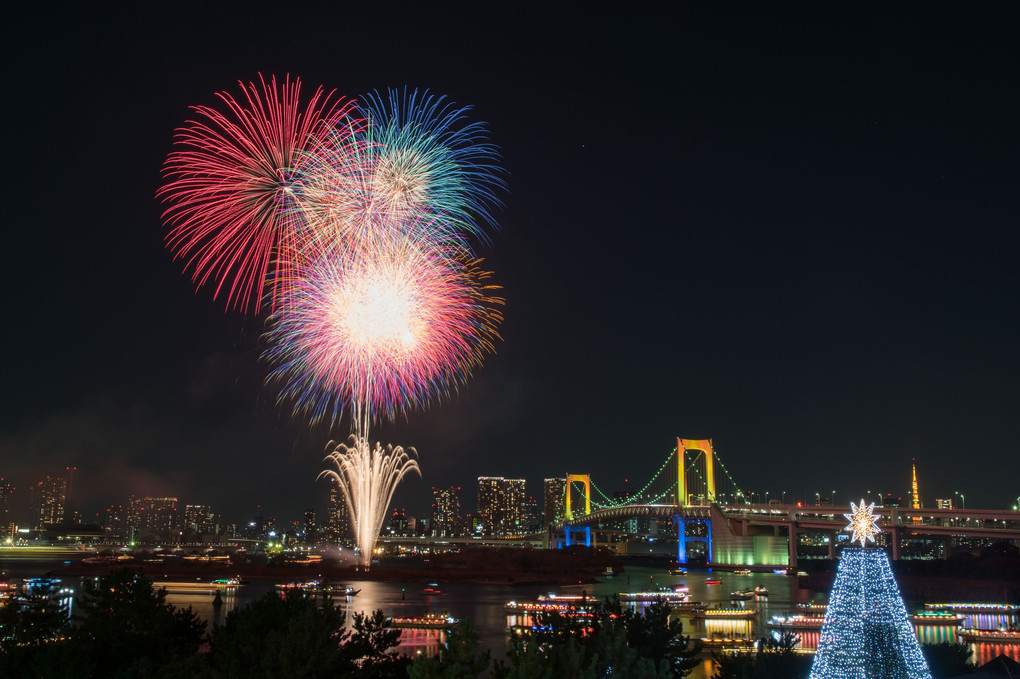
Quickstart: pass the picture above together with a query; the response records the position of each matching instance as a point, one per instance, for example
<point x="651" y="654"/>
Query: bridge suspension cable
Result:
<point x="664" y="486"/>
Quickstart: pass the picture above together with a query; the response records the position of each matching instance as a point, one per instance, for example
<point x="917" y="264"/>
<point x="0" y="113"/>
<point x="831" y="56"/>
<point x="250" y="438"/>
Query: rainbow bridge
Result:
<point x="728" y="530"/>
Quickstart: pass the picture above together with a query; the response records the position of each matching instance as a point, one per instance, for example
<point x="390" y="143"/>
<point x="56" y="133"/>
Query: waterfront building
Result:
<point x="532" y="520"/>
<point x="446" y="521"/>
<point x="398" y="522"/>
<point x="153" y="519"/>
<point x="49" y="500"/>
<point x="501" y="505"/>
<point x="555" y="501"/>
<point x="337" y="527"/>
<point x="7" y="523"/>
<point x="944" y="503"/>
<point x="311" y="532"/>
<point x="200" y="518"/>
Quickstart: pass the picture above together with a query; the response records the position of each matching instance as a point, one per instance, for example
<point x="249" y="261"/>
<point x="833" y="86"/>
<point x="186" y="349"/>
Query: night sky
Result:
<point x="794" y="232"/>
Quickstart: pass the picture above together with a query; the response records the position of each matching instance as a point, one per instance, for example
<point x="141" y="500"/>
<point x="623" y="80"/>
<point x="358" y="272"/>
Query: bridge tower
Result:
<point x="704" y="447"/>
<point x="583" y="479"/>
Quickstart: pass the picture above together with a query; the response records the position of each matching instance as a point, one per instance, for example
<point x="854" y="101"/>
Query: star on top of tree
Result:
<point x="862" y="522"/>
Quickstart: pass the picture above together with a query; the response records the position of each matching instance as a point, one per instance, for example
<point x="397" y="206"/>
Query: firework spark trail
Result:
<point x="230" y="184"/>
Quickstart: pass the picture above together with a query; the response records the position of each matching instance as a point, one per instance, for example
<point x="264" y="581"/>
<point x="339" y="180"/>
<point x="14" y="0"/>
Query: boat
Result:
<point x="677" y="570"/>
<point x="427" y="621"/>
<point x="713" y="581"/>
<point x="671" y="595"/>
<point x="722" y="613"/>
<point x="937" y="618"/>
<point x="318" y="587"/>
<point x="432" y="588"/>
<point x="338" y="589"/>
<point x="998" y="636"/>
<point x="800" y="622"/>
<point x="995" y="609"/>
<point x="812" y="607"/>
<point x="742" y="571"/>
<point x="761" y="590"/>
<point x="608" y="571"/>
<point x="742" y="594"/>
<point x="199" y="586"/>
<point x="726" y="642"/>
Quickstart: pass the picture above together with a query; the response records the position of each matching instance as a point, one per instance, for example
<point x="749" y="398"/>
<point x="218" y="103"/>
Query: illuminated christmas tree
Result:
<point x="866" y="633"/>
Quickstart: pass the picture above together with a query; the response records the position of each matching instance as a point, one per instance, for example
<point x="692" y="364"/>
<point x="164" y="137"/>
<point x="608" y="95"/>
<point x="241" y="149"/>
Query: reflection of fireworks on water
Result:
<point x="367" y="478"/>
<point x="230" y="188"/>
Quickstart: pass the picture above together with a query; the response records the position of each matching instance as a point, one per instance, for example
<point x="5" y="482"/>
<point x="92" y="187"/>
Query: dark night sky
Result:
<point x="792" y="231"/>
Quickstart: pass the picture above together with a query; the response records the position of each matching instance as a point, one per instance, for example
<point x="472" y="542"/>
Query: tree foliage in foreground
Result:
<point x="609" y="642"/>
<point x="124" y="629"/>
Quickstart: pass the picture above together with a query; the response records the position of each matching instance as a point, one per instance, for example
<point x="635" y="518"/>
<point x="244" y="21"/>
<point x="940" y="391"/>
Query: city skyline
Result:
<point x="789" y="231"/>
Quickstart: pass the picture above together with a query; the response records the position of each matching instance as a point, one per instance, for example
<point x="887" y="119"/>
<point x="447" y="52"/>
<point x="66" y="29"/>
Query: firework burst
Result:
<point x="380" y="334"/>
<point x="232" y="185"/>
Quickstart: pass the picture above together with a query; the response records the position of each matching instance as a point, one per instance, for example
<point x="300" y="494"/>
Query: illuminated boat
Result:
<point x="742" y="594"/>
<point x="998" y="636"/>
<point x="937" y="618"/>
<point x="432" y="588"/>
<point x="675" y="595"/>
<point x="761" y="590"/>
<point x="742" y="571"/>
<point x="427" y="621"/>
<point x="800" y="622"/>
<point x="994" y="609"/>
<point x="713" y="581"/>
<point x="218" y="585"/>
<point x="726" y="613"/>
<point x="812" y="607"/>
<point x="530" y="608"/>
<point x="726" y="642"/>
<point x="677" y="570"/>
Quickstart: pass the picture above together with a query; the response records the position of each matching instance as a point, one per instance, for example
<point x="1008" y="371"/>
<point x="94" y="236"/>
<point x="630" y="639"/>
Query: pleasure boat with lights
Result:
<point x="726" y="613"/>
<point x="937" y="618"/>
<point x="799" y="622"/>
<point x="994" y="609"/>
<point x="999" y="636"/>
<point x="219" y="585"/>
<point x="427" y="621"/>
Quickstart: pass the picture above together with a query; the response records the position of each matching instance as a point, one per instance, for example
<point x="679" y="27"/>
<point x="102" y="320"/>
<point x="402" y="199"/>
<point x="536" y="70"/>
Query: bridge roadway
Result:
<point x="748" y="520"/>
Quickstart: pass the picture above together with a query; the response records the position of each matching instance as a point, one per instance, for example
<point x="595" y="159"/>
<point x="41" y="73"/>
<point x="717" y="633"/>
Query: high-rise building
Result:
<point x="7" y="523"/>
<point x="310" y="528"/>
<point x="555" y="500"/>
<point x="153" y="519"/>
<point x="200" y="518"/>
<point x="49" y="500"/>
<point x="337" y="526"/>
<point x="532" y="519"/>
<point x="501" y="505"/>
<point x="446" y="521"/>
<point x="398" y="522"/>
<point x="116" y="521"/>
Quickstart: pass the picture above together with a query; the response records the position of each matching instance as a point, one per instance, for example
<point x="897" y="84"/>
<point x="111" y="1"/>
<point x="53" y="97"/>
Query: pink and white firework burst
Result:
<point x="382" y="333"/>
<point x="233" y="182"/>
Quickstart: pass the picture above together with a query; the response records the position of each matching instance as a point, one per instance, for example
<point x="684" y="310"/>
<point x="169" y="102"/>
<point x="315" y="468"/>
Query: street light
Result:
<point x="963" y="501"/>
